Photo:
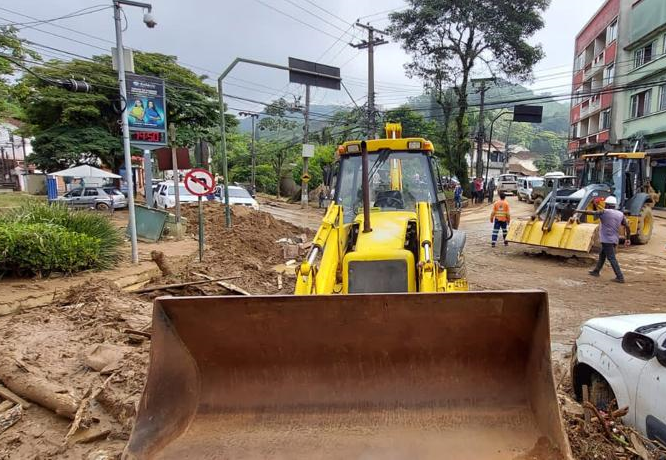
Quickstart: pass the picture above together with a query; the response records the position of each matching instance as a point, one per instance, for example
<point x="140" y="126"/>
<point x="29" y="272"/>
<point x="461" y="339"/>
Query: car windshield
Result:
<point x="536" y="183"/>
<point x="181" y="189"/>
<point x="398" y="181"/>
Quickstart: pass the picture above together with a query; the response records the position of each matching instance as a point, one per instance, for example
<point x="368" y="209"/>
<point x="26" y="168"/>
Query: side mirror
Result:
<point x="661" y="353"/>
<point x="639" y="345"/>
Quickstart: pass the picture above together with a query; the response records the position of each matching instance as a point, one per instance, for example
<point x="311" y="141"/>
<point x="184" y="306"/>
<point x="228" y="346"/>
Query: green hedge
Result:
<point x="38" y="249"/>
<point x="89" y="223"/>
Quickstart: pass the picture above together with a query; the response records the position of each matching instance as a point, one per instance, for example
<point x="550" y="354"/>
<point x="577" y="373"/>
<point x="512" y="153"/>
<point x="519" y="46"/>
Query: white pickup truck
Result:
<point x="624" y="358"/>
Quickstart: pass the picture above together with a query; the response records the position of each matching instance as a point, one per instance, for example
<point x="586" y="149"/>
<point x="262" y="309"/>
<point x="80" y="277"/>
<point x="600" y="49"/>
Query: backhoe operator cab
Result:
<point x="409" y="246"/>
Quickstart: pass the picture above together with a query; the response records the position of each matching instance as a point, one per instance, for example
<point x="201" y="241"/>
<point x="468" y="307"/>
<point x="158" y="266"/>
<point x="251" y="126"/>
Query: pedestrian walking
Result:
<point x="322" y="197"/>
<point x="478" y="190"/>
<point x="500" y="217"/>
<point x="491" y="190"/>
<point x="457" y="196"/>
<point x="609" y="234"/>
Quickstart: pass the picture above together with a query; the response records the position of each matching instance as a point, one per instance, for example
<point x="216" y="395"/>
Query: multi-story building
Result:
<point x="596" y="50"/>
<point x="619" y="84"/>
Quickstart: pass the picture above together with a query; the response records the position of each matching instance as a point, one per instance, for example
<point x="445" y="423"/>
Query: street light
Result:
<point x="490" y="143"/>
<point x="150" y="22"/>
<point x="254" y="116"/>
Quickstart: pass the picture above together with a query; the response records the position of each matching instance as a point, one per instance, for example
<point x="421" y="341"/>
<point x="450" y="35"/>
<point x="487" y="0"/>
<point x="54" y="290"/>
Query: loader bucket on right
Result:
<point x="566" y="235"/>
<point x="383" y="376"/>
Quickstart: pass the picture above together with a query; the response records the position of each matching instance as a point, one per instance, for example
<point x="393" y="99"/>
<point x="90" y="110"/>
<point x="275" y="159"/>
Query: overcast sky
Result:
<point x="209" y="35"/>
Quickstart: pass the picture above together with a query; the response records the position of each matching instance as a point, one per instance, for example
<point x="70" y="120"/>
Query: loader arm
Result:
<point x="427" y="268"/>
<point x="329" y="243"/>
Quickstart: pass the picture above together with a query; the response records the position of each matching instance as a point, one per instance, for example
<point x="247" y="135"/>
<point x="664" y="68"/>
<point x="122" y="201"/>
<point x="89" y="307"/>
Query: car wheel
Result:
<point x="102" y="207"/>
<point x="645" y="226"/>
<point x="537" y="203"/>
<point x="601" y="394"/>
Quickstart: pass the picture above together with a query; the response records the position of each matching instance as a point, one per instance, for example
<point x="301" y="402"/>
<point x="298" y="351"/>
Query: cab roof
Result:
<point x="409" y="144"/>
<point x="628" y="155"/>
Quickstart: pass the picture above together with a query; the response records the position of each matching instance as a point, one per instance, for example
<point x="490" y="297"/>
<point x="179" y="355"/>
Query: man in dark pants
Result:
<point x="609" y="233"/>
<point x="500" y="217"/>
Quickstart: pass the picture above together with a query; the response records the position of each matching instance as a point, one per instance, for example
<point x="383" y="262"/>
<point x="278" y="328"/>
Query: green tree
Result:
<point x="278" y="152"/>
<point x="13" y="47"/>
<point x="72" y="128"/>
<point x="448" y="38"/>
<point x="413" y="123"/>
<point x="548" y="163"/>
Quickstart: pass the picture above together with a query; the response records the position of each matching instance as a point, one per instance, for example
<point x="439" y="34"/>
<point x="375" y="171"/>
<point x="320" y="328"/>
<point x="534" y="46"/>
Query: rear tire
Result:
<point x="601" y="394"/>
<point x="102" y="207"/>
<point x="459" y="271"/>
<point x="645" y="227"/>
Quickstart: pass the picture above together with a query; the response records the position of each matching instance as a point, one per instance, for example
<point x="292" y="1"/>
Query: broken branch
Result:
<point x="10" y="417"/>
<point x="179" y="285"/>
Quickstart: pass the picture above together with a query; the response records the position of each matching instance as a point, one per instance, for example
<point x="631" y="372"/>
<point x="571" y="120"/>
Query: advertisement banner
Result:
<point x="146" y="109"/>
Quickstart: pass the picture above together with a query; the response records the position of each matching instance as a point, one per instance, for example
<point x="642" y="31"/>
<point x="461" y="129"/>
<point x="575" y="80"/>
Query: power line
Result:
<point x="335" y="26"/>
<point x="295" y="18"/>
<point x="74" y="14"/>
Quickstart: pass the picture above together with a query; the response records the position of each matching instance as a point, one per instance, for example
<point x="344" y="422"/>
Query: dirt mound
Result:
<point x="249" y="247"/>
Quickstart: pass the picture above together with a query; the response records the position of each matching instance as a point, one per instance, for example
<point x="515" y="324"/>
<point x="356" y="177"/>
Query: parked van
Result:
<point x="526" y="186"/>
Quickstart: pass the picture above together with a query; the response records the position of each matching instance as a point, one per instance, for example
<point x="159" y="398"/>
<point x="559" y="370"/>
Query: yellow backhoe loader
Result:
<point x="558" y="224"/>
<point x="382" y="354"/>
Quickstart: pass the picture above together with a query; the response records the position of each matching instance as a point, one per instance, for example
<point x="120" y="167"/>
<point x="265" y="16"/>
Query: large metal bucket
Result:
<point x="404" y="376"/>
<point x="569" y="235"/>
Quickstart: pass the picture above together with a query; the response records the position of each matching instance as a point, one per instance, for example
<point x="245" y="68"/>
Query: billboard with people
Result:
<point x="146" y="108"/>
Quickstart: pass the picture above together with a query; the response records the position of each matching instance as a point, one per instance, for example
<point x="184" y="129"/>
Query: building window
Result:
<point x="644" y="55"/>
<point x="640" y="104"/>
<point x="611" y="35"/>
<point x="609" y="74"/>
<point x="662" y="97"/>
<point x="574" y="131"/>
<point x="580" y="62"/>
<point x="605" y="120"/>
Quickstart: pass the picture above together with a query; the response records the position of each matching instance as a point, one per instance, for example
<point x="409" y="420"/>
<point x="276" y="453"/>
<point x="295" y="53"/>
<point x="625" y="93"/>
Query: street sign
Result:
<point x="199" y="182"/>
<point x="308" y="150"/>
<point x="165" y="160"/>
<point x="146" y="111"/>
<point x="329" y="78"/>
<point x="527" y="113"/>
<point x="306" y="178"/>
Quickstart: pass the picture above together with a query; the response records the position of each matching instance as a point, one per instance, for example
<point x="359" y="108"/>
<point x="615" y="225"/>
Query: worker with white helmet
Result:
<point x="609" y="234"/>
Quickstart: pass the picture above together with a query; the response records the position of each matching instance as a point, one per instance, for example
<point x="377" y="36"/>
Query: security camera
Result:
<point x="149" y="20"/>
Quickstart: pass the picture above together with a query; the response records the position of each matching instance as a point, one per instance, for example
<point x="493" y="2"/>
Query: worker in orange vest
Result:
<point x="500" y="218"/>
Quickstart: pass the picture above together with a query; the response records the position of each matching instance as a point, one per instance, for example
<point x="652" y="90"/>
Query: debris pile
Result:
<point x="72" y="373"/>
<point x="258" y="246"/>
<point x="595" y="434"/>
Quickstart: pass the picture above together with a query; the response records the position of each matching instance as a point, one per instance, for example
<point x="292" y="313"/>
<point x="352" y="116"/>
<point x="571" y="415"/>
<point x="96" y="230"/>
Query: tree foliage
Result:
<point x="12" y="45"/>
<point x="448" y="38"/>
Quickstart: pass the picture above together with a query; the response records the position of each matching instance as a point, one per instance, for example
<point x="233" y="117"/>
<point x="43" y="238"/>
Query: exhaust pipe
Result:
<point x="367" y="228"/>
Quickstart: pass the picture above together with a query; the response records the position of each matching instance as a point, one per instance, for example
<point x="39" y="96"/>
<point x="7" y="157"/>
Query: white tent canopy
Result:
<point x="85" y="171"/>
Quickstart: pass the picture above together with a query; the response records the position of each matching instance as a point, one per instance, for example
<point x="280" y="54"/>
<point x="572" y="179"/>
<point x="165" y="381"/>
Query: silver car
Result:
<point x="100" y="198"/>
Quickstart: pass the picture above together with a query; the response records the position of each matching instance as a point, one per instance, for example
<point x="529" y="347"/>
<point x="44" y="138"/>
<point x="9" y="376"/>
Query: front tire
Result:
<point x="537" y="203"/>
<point x="645" y="227"/>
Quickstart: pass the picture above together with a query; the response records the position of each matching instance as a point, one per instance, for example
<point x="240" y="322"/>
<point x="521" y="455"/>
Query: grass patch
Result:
<point x="15" y="199"/>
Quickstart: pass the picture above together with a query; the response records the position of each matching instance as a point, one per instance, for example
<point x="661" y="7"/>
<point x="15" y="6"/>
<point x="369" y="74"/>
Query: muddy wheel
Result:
<point x="537" y="203"/>
<point x="645" y="227"/>
<point x="102" y="207"/>
<point x="459" y="271"/>
<point x="601" y="394"/>
<point x="520" y="198"/>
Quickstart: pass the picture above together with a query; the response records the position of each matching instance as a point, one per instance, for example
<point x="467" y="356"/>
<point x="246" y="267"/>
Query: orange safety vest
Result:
<point x="501" y="211"/>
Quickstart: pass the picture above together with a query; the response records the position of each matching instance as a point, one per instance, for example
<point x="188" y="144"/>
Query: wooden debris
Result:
<point x="135" y="332"/>
<point x="10" y="417"/>
<point x="228" y="286"/>
<point x="586" y="400"/>
<point x="4" y="405"/>
<point x="639" y="447"/>
<point x="13" y="397"/>
<point x="37" y="389"/>
<point x="279" y="281"/>
<point x="83" y="407"/>
<point x="92" y="436"/>
<point x="179" y="285"/>
<point x="161" y="261"/>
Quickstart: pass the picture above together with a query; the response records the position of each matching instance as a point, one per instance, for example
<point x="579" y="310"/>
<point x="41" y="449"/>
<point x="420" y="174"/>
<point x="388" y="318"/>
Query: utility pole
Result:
<point x="306" y="138"/>
<point x="174" y="166"/>
<point x="150" y="22"/>
<point x="481" y="133"/>
<point x="506" y="148"/>
<point x="253" y="116"/>
<point x="370" y="44"/>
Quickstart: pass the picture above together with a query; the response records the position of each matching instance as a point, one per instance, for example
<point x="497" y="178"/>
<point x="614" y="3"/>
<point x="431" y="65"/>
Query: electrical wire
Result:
<point x="74" y="14"/>
<point x="295" y="18"/>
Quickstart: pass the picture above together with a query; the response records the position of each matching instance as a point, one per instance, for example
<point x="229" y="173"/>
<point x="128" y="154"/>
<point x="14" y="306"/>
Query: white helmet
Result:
<point x="611" y="200"/>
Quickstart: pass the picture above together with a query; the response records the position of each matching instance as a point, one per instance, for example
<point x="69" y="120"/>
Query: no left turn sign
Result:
<point x="199" y="182"/>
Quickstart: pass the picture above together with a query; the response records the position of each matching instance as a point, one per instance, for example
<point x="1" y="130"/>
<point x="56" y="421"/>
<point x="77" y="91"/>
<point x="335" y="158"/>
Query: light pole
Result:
<point x="254" y="116"/>
<point x="490" y="143"/>
<point x="150" y="22"/>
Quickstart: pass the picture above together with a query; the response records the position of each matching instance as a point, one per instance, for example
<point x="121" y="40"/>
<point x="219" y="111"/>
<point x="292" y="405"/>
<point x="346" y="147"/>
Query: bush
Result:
<point x="37" y="249"/>
<point x="91" y="224"/>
